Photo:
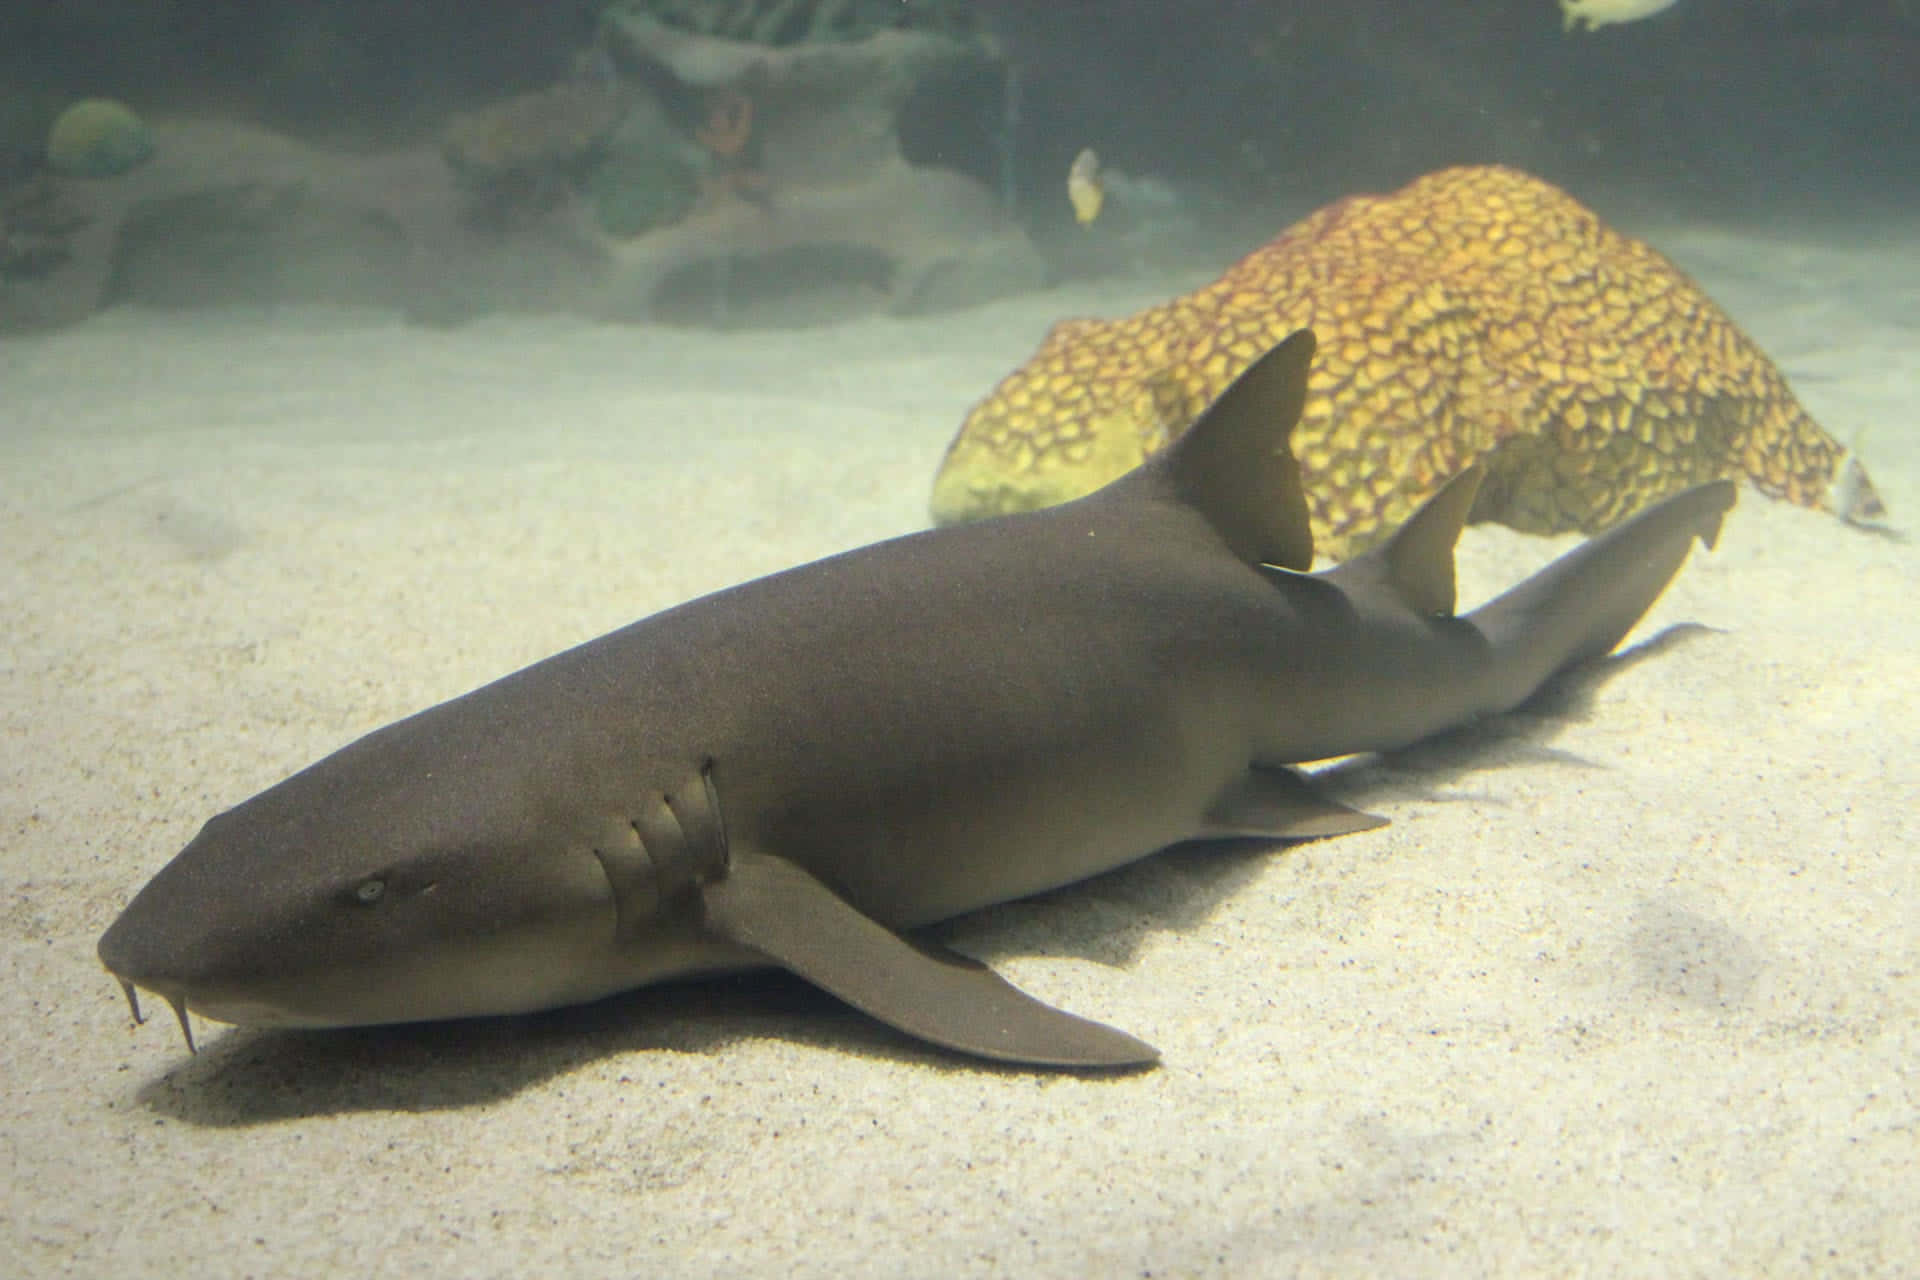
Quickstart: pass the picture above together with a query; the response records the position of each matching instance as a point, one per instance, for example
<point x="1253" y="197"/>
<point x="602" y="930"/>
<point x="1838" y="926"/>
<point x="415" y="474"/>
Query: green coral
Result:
<point x="649" y="177"/>
<point x="639" y="191"/>
<point x="98" y="138"/>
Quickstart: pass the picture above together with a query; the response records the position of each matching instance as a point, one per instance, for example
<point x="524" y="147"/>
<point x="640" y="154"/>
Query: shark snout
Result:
<point x="177" y="933"/>
<point x="139" y="949"/>
<point x="171" y="941"/>
<point x="131" y="955"/>
<point x="216" y="939"/>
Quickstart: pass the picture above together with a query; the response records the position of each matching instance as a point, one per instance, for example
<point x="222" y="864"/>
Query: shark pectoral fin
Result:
<point x="779" y="910"/>
<point x="1280" y="803"/>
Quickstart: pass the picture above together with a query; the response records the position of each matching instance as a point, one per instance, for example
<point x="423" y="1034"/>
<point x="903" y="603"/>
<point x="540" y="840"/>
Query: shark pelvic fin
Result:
<point x="1281" y="803"/>
<point x="778" y="909"/>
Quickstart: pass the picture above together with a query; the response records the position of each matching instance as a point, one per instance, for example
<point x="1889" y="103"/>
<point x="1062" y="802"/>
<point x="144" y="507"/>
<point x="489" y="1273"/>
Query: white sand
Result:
<point x="1631" y="985"/>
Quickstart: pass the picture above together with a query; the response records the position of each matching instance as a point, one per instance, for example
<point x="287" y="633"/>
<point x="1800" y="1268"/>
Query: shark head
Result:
<point x="303" y="928"/>
<point x="388" y="884"/>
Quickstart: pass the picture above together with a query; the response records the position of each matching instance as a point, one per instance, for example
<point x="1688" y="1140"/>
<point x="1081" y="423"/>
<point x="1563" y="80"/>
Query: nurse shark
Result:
<point x="799" y="770"/>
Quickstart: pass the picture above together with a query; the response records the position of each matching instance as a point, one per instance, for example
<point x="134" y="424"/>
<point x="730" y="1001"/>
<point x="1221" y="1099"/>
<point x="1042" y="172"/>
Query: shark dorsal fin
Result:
<point x="1415" y="565"/>
<point x="1235" y="467"/>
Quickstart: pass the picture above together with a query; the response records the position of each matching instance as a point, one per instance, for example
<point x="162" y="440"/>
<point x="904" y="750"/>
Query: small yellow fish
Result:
<point x="1084" y="187"/>
<point x="1605" y="13"/>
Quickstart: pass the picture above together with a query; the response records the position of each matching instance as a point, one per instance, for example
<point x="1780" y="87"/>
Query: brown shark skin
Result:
<point x="790" y="770"/>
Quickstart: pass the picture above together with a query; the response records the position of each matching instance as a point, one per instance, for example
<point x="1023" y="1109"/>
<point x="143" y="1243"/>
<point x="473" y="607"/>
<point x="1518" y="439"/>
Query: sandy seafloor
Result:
<point x="1630" y="986"/>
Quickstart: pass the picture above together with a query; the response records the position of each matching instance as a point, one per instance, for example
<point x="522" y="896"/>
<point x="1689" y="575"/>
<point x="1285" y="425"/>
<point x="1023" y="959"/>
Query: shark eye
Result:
<point x="369" y="891"/>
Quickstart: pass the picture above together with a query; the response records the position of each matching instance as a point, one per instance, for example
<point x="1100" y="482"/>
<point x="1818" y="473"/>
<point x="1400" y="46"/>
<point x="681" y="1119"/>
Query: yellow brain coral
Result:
<point x="1476" y="314"/>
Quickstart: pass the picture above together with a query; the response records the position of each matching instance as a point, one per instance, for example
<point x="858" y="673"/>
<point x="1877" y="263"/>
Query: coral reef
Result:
<point x="781" y="23"/>
<point x="732" y="147"/>
<point x="519" y="158"/>
<point x="97" y="138"/>
<point x="652" y="174"/>
<point x="232" y="213"/>
<point x="668" y="175"/>
<point x="1478" y="314"/>
<point x="804" y="181"/>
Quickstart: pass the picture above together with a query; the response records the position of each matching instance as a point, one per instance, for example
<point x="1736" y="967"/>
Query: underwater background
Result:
<point x="353" y="354"/>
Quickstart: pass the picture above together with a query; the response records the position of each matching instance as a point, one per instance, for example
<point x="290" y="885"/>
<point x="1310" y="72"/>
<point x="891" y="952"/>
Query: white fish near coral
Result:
<point x="1085" y="187"/>
<point x="1852" y="495"/>
<point x="1605" y="13"/>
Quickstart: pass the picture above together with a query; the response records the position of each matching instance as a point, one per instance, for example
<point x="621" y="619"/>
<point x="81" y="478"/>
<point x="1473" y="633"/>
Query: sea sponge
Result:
<point x="1478" y="314"/>
<point x="98" y="138"/>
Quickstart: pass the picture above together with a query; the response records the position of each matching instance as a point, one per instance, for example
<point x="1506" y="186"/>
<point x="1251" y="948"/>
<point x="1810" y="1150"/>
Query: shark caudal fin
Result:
<point x="1234" y="464"/>
<point x="1582" y="605"/>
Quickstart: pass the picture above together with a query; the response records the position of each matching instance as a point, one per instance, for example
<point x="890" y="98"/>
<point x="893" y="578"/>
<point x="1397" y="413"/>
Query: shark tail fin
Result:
<point x="1234" y="465"/>
<point x="1583" y="604"/>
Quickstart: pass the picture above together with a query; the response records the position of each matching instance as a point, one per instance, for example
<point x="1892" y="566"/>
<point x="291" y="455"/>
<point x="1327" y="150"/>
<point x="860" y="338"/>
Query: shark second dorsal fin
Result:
<point x="1415" y="565"/>
<point x="1235" y="467"/>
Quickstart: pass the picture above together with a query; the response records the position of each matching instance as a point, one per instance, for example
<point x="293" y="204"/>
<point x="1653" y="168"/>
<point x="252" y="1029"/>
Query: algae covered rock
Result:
<point x="98" y="138"/>
<point x="36" y="231"/>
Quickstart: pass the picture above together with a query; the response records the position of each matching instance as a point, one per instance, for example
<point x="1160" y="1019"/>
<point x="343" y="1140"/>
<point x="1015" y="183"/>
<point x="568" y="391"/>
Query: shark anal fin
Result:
<point x="781" y="911"/>
<point x="1280" y="803"/>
